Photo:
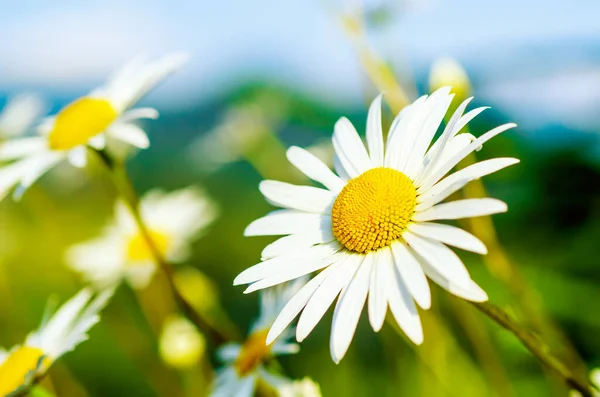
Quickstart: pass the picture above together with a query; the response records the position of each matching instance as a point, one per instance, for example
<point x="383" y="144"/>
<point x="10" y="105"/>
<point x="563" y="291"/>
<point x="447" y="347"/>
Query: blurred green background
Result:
<point x="228" y="133"/>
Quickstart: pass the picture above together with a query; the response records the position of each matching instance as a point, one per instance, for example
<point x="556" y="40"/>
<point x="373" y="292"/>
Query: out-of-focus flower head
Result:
<point x="61" y="333"/>
<point x="594" y="381"/>
<point x="373" y="230"/>
<point x="447" y="72"/>
<point x="245" y="363"/>
<point x="241" y="130"/>
<point x="88" y="121"/>
<point x="174" y="220"/>
<point x="19" y="115"/>
<point x="181" y="345"/>
<point x="300" y="388"/>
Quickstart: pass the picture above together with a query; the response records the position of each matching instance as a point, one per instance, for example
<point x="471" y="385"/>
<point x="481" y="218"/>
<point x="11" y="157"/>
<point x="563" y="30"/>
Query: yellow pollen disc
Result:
<point x="253" y="352"/>
<point x="17" y="365"/>
<point x="373" y="209"/>
<point x="139" y="251"/>
<point x="79" y="121"/>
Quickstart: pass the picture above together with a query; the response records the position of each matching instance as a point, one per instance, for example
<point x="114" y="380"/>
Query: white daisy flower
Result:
<point x="18" y="115"/>
<point x="174" y="220"/>
<point x="66" y="329"/>
<point x="89" y="120"/>
<point x="372" y="228"/>
<point x="244" y="363"/>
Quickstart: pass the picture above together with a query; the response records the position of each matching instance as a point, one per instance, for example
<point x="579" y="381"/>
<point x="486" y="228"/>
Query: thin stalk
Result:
<point x="131" y="199"/>
<point x="536" y="346"/>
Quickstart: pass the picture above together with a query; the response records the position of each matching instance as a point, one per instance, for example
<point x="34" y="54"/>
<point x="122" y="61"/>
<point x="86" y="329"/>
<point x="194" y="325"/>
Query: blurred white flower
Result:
<point x="19" y="115"/>
<point x="174" y="220"/>
<point x="300" y="388"/>
<point x="89" y="120"/>
<point x="244" y="363"/>
<point x="60" y="334"/>
<point x="370" y="230"/>
<point x="240" y="131"/>
<point x="447" y="72"/>
<point x="180" y="344"/>
<point x="595" y="382"/>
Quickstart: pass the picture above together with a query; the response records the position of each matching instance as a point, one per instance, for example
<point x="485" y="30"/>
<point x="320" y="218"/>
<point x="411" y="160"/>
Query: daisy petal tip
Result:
<point x="425" y="303"/>
<point x="271" y="336"/>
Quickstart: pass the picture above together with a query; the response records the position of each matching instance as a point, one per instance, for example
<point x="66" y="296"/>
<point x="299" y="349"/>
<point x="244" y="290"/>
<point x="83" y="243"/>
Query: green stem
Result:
<point x="537" y="347"/>
<point x="131" y="199"/>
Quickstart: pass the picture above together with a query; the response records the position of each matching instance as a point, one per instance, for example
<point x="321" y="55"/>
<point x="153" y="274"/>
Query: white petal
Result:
<point x="462" y="209"/>
<point x="78" y="156"/>
<point x="432" y="158"/>
<point x="38" y="166"/>
<point x="283" y="222"/>
<point x="296" y="304"/>
<point x="348" y="309"/>
<point x="431" y="179"/>
<point x="326" y="294"/>
<point x="426" y="201"/>
<point x="228" y="352"/>
<point x="98" y="141"/>
<point x="139" y="113"/>
<point x="440" y="102"/>
<point x="375" y="133"/>
<point x="18" y="148"/>
<point x="350" y="149"/>
<point x="412" y="274"/>
<point x="281" y="264"/>
<point x="300" y="270"/>
<point x="469" y="290"/>
<point x="246" y="387"/>
<point x="314" y="168"/>
<point x="339" y="168"/>
<point x="377" y="301"/>
<point x="129" y="133"/>
<point x="470" y="173"/>
<point x="400" y="133"/>
<point x="302" y="198"/>
<point x="137" y="78"/>
<point x="449" y="235"/>
<point x="296" y="242"/>
<point x="11" y="175"/>
<point x="401" y="303"/>
<point x="439" y="257"/>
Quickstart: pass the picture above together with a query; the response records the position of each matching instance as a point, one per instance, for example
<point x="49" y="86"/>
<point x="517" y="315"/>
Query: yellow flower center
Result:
<point x="79" y="121"/>
<point x="373" y="209"/>
<point x="139" y="251"/>
<point x="16" y="367"/>
<point x="253" y="352"/>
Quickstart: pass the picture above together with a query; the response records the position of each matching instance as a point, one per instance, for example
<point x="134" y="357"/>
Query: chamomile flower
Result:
<point x="87" y="121"/>
<point x="66" y="329"/>
<point x="174" y="220"/>
<point x="372" y="230"/>
<point x="19" y="115"/>
<point x="244" y="363"/>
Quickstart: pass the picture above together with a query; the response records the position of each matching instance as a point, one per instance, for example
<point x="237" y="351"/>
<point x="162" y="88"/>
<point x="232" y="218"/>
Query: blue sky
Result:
<point x="69" y="46"/>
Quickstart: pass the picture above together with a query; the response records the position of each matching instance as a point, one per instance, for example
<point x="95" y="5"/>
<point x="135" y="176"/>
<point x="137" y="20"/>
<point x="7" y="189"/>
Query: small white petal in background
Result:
<point x="19" y="115"/>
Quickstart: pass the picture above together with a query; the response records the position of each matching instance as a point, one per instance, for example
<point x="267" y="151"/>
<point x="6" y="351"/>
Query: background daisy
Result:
<point x="174" y="220"/>
<point x="60" y="334"/>
<point x="245" y="363"/>
<point x="90" y="120"/>
<point x="371" y="228"/>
